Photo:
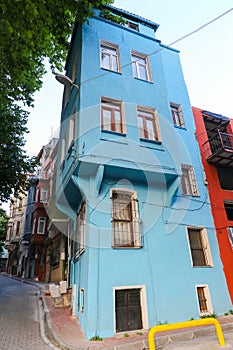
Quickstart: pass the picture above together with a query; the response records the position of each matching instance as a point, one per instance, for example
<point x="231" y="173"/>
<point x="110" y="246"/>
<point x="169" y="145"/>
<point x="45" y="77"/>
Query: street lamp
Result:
<point x="64" y="80"/>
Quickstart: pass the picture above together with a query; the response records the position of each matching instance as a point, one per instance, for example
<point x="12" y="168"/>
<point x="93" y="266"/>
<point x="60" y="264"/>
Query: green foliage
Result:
<point x="112" y="17"/>
<point x="213" y="315"/>
<point x="3" y="228"/>
<point x="30" y="32"/>
<point x="126" y="335"/>
<point x="96" y="338"/>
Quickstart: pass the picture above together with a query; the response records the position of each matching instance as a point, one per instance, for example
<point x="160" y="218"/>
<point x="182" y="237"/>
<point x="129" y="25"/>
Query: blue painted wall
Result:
<point x="100" y="161"/>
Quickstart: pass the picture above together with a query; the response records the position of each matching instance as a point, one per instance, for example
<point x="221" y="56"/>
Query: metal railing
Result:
<point x="219" y="142"/>
<point x="186" y="324"/>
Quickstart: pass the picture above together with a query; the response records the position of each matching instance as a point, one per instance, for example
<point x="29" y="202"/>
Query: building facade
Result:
<point x="214" y="134"/>
<point x="144" y="247"/>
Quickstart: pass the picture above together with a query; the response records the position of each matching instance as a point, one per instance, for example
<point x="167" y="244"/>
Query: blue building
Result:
<point x="144" y="247"/>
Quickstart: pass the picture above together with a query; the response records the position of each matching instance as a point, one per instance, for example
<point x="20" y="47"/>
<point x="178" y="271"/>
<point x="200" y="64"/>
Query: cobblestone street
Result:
<point x="19" y="317"/>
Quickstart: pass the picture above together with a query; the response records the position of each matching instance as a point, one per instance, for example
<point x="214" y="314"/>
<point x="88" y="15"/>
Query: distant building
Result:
<point x="130" y="177"/>
<point x="214" y="134"/>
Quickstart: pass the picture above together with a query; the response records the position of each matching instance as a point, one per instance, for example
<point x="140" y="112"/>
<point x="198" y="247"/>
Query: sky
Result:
<point x="206" y="58"/>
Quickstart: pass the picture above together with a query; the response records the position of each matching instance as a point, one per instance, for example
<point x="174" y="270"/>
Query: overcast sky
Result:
<point x="206" y="57"/>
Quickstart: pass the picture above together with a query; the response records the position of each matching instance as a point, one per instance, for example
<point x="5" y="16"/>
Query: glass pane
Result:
<point x="118" y="126"/>
<point x="105" y="61"/>
<point x="135" y="74"/>
<point x="139" y="59"/>
<point x="106" y="119"/>
<point x="114" y="63"/>
<point x="141" y="127"/>
<point x="142" y="72"/>
<point x="150" y="129"/>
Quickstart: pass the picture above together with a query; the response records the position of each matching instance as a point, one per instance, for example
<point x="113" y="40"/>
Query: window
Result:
<point x="81" y="301"/>
<point x="140" y="65"/>
<point x="188" y="180"/>
<point x="132" y="25"/>
<point x="72" y="129"/>
<point x="109" y="56"/>
<point x="112" y="115"/>
<point x="230" y="234"/>
<point x="204" y="301"/>
<point x="63" y="149"/>
<point x="79" y="243"/>
<point x="34" y="226"/>
<point x="229" y="209"/>
<point x="199" y="246"/>
<point x="177" y="114"/>
<point x="43" y="195"/>
<point x="41" y="225"/>
<point x="125" y="219"/>
<point x="148" y="129"/>
<point x="225" y="178"/>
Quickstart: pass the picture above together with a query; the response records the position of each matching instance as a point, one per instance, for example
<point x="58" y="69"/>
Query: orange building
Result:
<point x="214" y="134"/>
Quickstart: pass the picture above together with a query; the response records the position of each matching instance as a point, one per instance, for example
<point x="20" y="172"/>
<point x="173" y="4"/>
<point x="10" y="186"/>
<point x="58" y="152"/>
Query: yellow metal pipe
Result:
<point x="186" y="324"/>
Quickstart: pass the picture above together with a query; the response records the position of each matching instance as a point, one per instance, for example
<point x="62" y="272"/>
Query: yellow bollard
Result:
<point x="186" y="324"/>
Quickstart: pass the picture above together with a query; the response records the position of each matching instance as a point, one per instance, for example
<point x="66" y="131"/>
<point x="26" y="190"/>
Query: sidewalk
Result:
<point x="64" y="331"/>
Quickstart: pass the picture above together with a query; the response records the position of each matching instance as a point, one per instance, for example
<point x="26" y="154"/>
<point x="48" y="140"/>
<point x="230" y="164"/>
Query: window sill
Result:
<point x="110" y="70"/>
<point x="179" y="127"/>
<point x="122" y="247"/>
<point x="151" y="144"/>
<point x="146" y="81"/>
<point x="112" y="136"/>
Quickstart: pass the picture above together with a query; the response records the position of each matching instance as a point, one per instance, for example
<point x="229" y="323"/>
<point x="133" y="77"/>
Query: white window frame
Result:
<point x="111" y="46"/>
<point x="154" y="118"/>
<point x="136" y="64"/>
<point x="80" y="231"/>
<point x="113" y="105"/>
<point x="230" y="235"/>
<point x="208" y="300"/>
<point x="63" y="149"/>
<point x="42" y="220"/>
<point x="43" y="198"/>
<point x="133" y="222"/>
<point x="81" y="300"/>
<point x="205" y="247"/>
<point x="188" y="180"/>
<point x="177" y="114"/>
<point x="143" y="300"/>
<point x="34" y="226"/>
<point x="72" y="129"/>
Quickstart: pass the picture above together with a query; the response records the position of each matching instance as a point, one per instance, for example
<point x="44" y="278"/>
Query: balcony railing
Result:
<point x="219" y="149"/>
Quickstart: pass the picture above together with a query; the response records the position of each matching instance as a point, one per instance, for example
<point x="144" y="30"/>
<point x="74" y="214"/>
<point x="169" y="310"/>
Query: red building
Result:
<point x="214" y="134"/>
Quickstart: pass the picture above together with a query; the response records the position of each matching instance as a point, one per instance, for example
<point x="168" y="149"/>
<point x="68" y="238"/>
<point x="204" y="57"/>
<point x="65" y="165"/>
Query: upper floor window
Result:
<point x="41" y="225"/>
<point x="188" y="180"/>
<point x="177" y="114"/>
<point x="43" y="195"/>
<point x="125" y="219"/>
<point x="147" y="123"/>
<point x="112" y="115"/>
<point x="132" y="25"/>
<point x="199" y="246"/>
<point x="79" y="239"/>
<point x="72" y="129"/>
<point x="140" y="63"/>
<point x="229" y="209"/>
<point x="230" y="235"/>
<point x="109" y="56"/>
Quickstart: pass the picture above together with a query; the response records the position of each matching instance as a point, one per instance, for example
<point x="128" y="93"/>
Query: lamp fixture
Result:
<point x="64" y="80"/>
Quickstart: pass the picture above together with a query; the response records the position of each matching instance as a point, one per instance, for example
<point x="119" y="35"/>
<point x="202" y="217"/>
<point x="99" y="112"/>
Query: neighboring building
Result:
<point x="214" y="134"/>
<point x="15" y="226"/>
<point x="144" y="247"/>
<point x="56" y="243"/>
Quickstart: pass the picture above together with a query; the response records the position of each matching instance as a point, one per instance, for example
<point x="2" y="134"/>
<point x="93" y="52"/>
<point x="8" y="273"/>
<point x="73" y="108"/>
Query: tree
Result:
<point x="30" y="32"/>
<point x="3" y="228"/>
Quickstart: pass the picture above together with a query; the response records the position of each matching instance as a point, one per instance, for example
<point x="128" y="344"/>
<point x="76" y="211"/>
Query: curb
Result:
<point x="50" y="337"/>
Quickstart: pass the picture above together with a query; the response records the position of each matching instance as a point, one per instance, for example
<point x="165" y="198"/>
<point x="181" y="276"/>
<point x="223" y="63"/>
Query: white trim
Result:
<point x="38" y="225"/>
<point x="207" y="251"/>
<point x="143" y="300"/>
<point x="208" y="300"/>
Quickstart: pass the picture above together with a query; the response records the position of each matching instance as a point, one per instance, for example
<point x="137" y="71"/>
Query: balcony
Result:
<point x="219" y="149"/>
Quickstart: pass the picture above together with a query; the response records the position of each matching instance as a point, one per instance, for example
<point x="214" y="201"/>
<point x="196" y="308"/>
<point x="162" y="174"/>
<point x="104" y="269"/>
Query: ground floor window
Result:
<point x="204" y="301"/>
<point x="128" y="309"/>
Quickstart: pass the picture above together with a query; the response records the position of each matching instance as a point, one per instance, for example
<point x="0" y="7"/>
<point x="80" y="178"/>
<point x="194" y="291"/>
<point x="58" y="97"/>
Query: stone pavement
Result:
<point x="64" y="332"/>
